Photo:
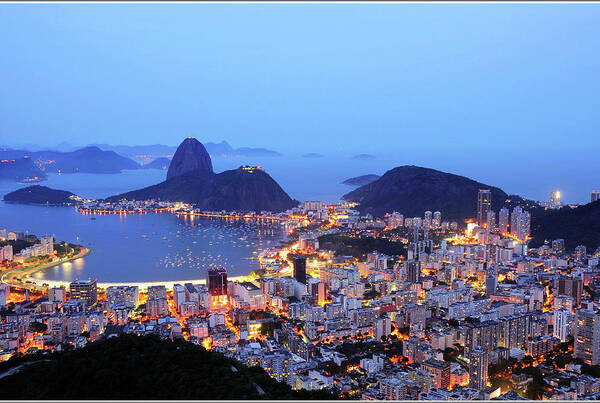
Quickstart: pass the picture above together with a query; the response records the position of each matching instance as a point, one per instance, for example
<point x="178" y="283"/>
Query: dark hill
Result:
<point x="132" y="367"/>
<point x="190" y="156"/>
<point x="39" y="195"/>
<point x="159" y="163"/>
<point x="20" y="169"/>
<point x="361" y="180"/>
<point x="577" y="226"/>
<point x="234" y="190"/>
<point x="412" y="190"/>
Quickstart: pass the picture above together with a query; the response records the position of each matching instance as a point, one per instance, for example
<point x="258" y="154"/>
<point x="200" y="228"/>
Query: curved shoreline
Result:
<point x="38" y="284"/>
<point x="27" y="272"/>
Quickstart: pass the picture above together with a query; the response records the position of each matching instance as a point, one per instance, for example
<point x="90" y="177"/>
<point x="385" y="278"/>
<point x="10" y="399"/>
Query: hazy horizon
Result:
<point x="502" y="93"/>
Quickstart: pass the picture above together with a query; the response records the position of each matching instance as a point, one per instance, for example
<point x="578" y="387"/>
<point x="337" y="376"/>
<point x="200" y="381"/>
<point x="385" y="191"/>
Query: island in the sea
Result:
<point x="20" y="169"/>
<point x="38" y="194"/>
<point x="363" y="157"/>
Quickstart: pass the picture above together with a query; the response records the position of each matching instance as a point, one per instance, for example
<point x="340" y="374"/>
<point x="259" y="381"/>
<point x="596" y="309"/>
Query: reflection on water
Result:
<point x="148" y="247"/>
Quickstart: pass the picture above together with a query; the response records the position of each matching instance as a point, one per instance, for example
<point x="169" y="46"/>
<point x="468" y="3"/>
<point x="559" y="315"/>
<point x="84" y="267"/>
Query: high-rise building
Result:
<point x="563" y="322"/>
<point x="382" y="327"/>
<point x="558" y="246"/>
<point x="440" y="371"/>
<point x="587" y="336"/>
<point x="491" y="220"/>
<point x="157" y="291"/>
<point x="217" y="281"/>
<point x="580" y="252"/>
<point x="478" y="369"/>
<point x="85" y="289"/>
<point x="428" y="219"/>
<point x="524" y="225"/>
<point x="503" y="220"/>
<point x="514" y="220"/>
<point x="491" y="282"/>
<point x="437" y="219"/>
<point x="595" y="195"/>
<point x="569" y="286"/>
<point x="413" y="271"/>
<point x="127" y="296"/>
<point x="520" y="223"/>
<point x="481" y="334"/>
<point x="57" y="294"/>
<point x="484" y="205"/>
<point x="300" y="269"/>
<point x="555" y="197"/>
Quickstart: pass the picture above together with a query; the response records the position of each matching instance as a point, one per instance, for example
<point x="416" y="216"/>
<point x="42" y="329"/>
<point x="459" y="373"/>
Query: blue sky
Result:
<point x="347" y="77"/>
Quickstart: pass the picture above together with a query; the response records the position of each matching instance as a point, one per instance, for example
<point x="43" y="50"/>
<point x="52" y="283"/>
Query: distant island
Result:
<point x="363" y="157"/>
<point x="20" y="169"/>
<point x="221" y="149"/>
<point x="361" y="180"/>
<point x="313" y="155"/>
<point x="37" y="194"/>
<point x="85" y="160"/>
<point x="159" y="163"/>
<point x="191" y="179"/>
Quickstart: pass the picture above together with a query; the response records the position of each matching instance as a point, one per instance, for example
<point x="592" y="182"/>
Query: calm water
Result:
<point x="136" y="248"/>
<point x="162" y="247"/>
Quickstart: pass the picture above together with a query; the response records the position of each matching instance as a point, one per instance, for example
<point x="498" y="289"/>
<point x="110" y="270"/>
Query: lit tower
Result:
<point x="216" y="280"/>
<point x="555" y="199"/>
<point x="484" y="205"/>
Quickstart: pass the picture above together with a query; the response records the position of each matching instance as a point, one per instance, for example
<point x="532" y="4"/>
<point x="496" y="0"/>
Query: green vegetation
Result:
<point x="135" y="367"/>
<point x="359" y="247"/>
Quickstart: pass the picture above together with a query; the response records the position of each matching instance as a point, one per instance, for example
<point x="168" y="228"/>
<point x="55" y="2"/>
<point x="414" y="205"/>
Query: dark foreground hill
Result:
<point x="39" y="195"/>
<point x="577" y="226"/>
<point x="412" y="190"/>
<point x="239" y="189"/>
<point x="141" y="368"/>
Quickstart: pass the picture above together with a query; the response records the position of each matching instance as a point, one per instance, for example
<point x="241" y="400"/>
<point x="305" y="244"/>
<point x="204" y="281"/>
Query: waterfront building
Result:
<point x="595" y="195"/>
<point x="85" y="289"/>
<point x="217" y="281"/>
<point x="157" y="291"/>
<point x="127" y="296"/>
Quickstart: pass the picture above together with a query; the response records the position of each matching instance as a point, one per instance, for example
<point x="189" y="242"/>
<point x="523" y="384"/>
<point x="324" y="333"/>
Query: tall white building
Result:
<point x="503" y="220"/>
<point x="563" y="323"/>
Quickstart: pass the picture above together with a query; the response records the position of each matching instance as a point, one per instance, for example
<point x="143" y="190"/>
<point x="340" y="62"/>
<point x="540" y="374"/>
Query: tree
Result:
<point x="38" y="327"/>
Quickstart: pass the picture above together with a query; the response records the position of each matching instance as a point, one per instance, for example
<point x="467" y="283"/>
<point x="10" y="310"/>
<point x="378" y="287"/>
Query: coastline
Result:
<point x="8" y="276"/>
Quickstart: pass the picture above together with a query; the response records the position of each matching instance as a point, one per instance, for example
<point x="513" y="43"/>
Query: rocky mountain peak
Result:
<point x="190" y="156"/>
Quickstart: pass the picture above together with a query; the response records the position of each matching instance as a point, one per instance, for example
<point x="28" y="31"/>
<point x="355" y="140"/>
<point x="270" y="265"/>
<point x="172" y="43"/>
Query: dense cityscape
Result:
<point x="466" y="310"/>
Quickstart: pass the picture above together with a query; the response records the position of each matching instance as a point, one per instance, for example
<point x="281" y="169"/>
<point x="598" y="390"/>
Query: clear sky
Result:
<point x="355" y="77"/>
